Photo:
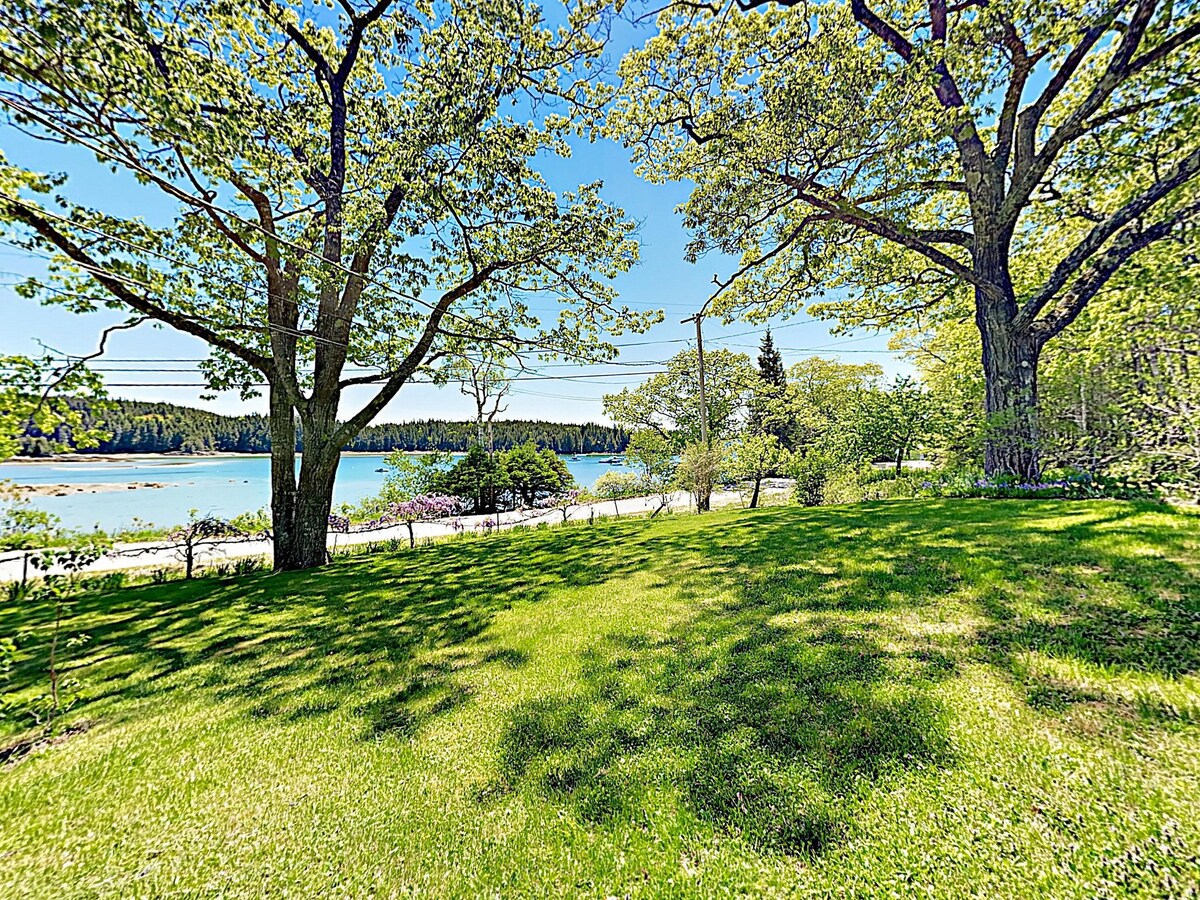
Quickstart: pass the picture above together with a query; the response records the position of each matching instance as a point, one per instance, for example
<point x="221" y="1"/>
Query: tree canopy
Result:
<point x="354" y="191"/>
<point x="669" y="403"/>
<point x="883" y="159"/>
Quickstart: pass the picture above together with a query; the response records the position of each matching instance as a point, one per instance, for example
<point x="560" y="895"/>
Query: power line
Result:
<point x="591" y="378"/>
<point x="342" y="268"/>
<point x="532" y="345"/>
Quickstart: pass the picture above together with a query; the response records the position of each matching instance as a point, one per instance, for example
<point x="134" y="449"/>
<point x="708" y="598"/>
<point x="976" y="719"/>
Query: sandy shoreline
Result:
<point x="188" y="457"/>
<point x="62" y="490"/>
<point x="146" y="457"/>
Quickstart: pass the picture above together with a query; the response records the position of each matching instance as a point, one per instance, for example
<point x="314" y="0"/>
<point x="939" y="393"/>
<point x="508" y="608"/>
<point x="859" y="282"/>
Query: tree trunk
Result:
<point x="314" y="500"/>
<point x="1010" y="358"/>
<point x="899" y="462"/>
<point x="300" y="505"/>
<point x="1010" y="402"/>
<point x="754" y="495"/>
<point x="283" y="479"/>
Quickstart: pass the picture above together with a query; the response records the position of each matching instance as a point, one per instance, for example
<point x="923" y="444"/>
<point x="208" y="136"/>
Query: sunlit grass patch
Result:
<point x="938" y="699"/>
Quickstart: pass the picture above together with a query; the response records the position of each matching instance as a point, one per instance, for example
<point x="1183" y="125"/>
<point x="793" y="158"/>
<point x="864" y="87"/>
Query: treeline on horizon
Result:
<point x="135" y="426"/>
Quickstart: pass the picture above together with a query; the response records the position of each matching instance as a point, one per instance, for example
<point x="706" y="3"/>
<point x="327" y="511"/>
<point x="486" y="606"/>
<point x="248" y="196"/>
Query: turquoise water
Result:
<point x="214" y="485"/>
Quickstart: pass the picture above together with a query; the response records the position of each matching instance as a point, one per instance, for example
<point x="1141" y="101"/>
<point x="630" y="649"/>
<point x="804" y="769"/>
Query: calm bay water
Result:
<point x="215" y="485"/>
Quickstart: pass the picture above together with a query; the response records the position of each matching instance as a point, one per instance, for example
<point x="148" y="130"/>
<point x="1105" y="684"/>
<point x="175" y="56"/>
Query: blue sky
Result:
<point x="663" y="280"/>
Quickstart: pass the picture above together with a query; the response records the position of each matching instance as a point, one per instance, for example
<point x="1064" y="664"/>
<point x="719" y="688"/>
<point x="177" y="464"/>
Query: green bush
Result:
<point x="847" y="483"/>
<point x="813" y="472"/>
<point x="887" y="485"/>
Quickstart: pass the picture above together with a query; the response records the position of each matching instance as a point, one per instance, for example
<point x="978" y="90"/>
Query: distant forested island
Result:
<point x="138" y="427"/>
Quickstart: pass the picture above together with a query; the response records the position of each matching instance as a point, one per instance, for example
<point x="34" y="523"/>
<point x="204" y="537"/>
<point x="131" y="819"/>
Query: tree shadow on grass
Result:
<point x="769" y="715"/>
<point x="1106" y="601"/>
<point x="1114" y="587"/>
<point x="388" y="636"/>
<point x="1148" y="622"/>
<point x="764" y="730"/>
<point x="354" y="633"/>
<point x="385" y="636"/>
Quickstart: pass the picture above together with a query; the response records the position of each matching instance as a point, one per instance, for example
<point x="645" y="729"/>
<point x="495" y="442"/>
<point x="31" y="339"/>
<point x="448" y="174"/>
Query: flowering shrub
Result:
<point x="1067" y="485"/>
<point x="564" y="502"/>
<point x="422" y="508"/>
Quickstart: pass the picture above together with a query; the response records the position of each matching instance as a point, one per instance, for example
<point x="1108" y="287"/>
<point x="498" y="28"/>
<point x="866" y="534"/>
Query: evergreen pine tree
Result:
<point x="770" y="363"/>
<point x="768" y="412"/>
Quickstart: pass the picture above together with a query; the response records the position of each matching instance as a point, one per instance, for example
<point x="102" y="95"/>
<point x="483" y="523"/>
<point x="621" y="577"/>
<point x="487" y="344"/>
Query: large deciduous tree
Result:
<point x="897" y="153"/>
<point x="352" y="197"/>
<point x="1119" y="391"/>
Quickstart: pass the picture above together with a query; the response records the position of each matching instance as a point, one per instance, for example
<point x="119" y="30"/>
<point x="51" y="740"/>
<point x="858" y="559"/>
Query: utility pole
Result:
<point x="698" y="318"/>
<point x="703" y="497"/>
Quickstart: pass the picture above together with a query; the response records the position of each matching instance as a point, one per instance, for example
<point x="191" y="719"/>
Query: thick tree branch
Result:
<point x="415" y="357"/>
<point x="1128" y="242"/>
<point x="1022" y="66"/>
<point x="1033" y="165"/>
<point x="955" y="236"/>
<point x="1187" y="169"/>
<point x="1164" y="49"/>
<point x="121" y="292"/>
<point x="877" y="225"/>
<point x="881" y="29"/>
<point x="359" y="25"/>
<point x="973" y="155"/>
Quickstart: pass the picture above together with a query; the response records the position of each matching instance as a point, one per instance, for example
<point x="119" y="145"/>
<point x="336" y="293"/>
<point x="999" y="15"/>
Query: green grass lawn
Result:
<point x="907" y="699"/>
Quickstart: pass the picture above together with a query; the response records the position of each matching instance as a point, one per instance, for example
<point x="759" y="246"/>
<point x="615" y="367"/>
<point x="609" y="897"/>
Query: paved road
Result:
<point x="157" y="554"/>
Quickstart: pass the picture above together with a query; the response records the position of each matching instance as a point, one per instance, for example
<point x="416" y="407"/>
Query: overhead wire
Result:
<point x="533" y="346"/>
<point x="359" y="368"/>
<point x="215" y="209"/>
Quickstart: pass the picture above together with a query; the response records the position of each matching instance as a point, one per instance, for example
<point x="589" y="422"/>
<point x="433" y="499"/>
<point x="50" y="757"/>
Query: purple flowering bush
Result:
<point x="1053" y="485"/>
<point x="422" y="508"/>
<point x="563" y="502"/>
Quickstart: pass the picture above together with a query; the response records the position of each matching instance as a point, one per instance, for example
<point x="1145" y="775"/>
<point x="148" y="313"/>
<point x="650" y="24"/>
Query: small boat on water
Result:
<point x="614" y="460"/>
<point x="574" y="459"/>
<point x="381" y="470"/>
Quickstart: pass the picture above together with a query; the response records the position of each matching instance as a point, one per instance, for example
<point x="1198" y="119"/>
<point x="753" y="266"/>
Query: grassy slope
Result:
<point x="908" y="699"/>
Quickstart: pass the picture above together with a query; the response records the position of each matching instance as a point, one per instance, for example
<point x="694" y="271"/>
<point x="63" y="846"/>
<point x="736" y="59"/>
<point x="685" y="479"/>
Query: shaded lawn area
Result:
<point x="950" y="699"/>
